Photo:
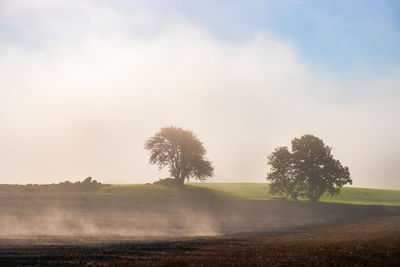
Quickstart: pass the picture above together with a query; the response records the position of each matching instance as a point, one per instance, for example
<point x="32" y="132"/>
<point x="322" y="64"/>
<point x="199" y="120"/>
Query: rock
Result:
<point x="166" y="182"/>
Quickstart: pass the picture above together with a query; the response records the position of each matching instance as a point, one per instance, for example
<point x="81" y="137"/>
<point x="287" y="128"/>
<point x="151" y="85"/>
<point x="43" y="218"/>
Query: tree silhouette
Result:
<point x="309" y="170"/>
<point x="182" y="152"/>
<point x="282" y="176"/>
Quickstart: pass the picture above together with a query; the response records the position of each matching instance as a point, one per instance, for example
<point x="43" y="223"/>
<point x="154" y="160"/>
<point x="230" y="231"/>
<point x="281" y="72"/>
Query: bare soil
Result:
<point x="89" y="230"/>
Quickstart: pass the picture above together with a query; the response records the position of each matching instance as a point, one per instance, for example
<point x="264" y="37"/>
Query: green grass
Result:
<point x="241" y="190"/>
<point x="347" y="195"/>
<point x="140" y="190"/>
<point x="365" y="196"/>
<point x="258" y="191"/>
<point x="155" y="191"/>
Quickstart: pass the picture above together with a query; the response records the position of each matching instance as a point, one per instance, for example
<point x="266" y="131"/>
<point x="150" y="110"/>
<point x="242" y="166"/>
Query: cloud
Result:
<point x="83" y="99"/>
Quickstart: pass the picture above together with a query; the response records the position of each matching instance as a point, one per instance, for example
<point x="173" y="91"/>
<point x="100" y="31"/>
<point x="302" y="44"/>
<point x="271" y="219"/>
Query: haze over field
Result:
<point x="85" y="83"/>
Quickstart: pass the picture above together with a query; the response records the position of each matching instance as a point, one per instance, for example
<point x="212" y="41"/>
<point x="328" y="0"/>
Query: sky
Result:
<point x="84" y="83"/>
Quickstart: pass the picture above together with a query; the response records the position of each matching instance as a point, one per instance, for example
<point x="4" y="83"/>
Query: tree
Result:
<point x="282" y="175"/>
<point x="182" y="152"/>
<point x="309" y="170"/>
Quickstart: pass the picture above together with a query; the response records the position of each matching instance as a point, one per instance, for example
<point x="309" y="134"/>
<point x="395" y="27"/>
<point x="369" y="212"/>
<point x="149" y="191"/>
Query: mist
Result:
<point x="40" y="217"/>
<point x="87" y="85"/>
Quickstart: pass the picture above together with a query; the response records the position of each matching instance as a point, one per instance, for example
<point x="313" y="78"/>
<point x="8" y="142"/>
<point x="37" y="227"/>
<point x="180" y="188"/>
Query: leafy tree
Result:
<point x="282" y="175"/>
<point x="182" y="152"/>
<point x="309" y="170"/>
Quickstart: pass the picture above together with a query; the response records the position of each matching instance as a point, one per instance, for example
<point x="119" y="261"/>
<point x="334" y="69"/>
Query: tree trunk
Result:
<point x="180" y="181"/>
<point x="312" y="194"/>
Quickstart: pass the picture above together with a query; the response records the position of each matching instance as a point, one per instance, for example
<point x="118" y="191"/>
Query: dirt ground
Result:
<point x="370" y="242"/>
<point x="103" y="231"/>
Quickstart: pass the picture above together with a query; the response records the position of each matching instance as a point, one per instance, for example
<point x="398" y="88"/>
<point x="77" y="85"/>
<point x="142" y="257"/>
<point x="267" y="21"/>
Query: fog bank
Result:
<point x="91" y="83"/>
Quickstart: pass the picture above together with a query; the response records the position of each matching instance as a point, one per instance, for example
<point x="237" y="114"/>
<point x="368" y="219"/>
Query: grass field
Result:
<point x="255" y="191"/>
<point x="348" y="195"/>
<point x="365" y="196"/>
<point x="155" y="191"/>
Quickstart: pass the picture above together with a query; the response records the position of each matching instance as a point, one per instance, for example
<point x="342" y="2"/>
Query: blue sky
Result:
<point x="85" y="82"/>
<point x="339" y="36"/>
<point x="335" y="34"/>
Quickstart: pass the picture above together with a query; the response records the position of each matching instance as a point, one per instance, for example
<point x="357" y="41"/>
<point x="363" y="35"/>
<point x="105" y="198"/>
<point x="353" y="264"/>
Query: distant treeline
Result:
<point x="86" y="185"/>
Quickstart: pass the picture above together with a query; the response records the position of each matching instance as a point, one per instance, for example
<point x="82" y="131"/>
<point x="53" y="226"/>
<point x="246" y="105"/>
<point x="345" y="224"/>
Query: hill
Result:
<point x="245" y="191"/>
<point x="251" y="191"/>
<point x="348" y="195"/>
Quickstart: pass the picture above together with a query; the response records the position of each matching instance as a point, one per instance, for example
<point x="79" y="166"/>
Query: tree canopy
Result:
<point x="308" y="171"/>
<point x="182" y="152"/>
